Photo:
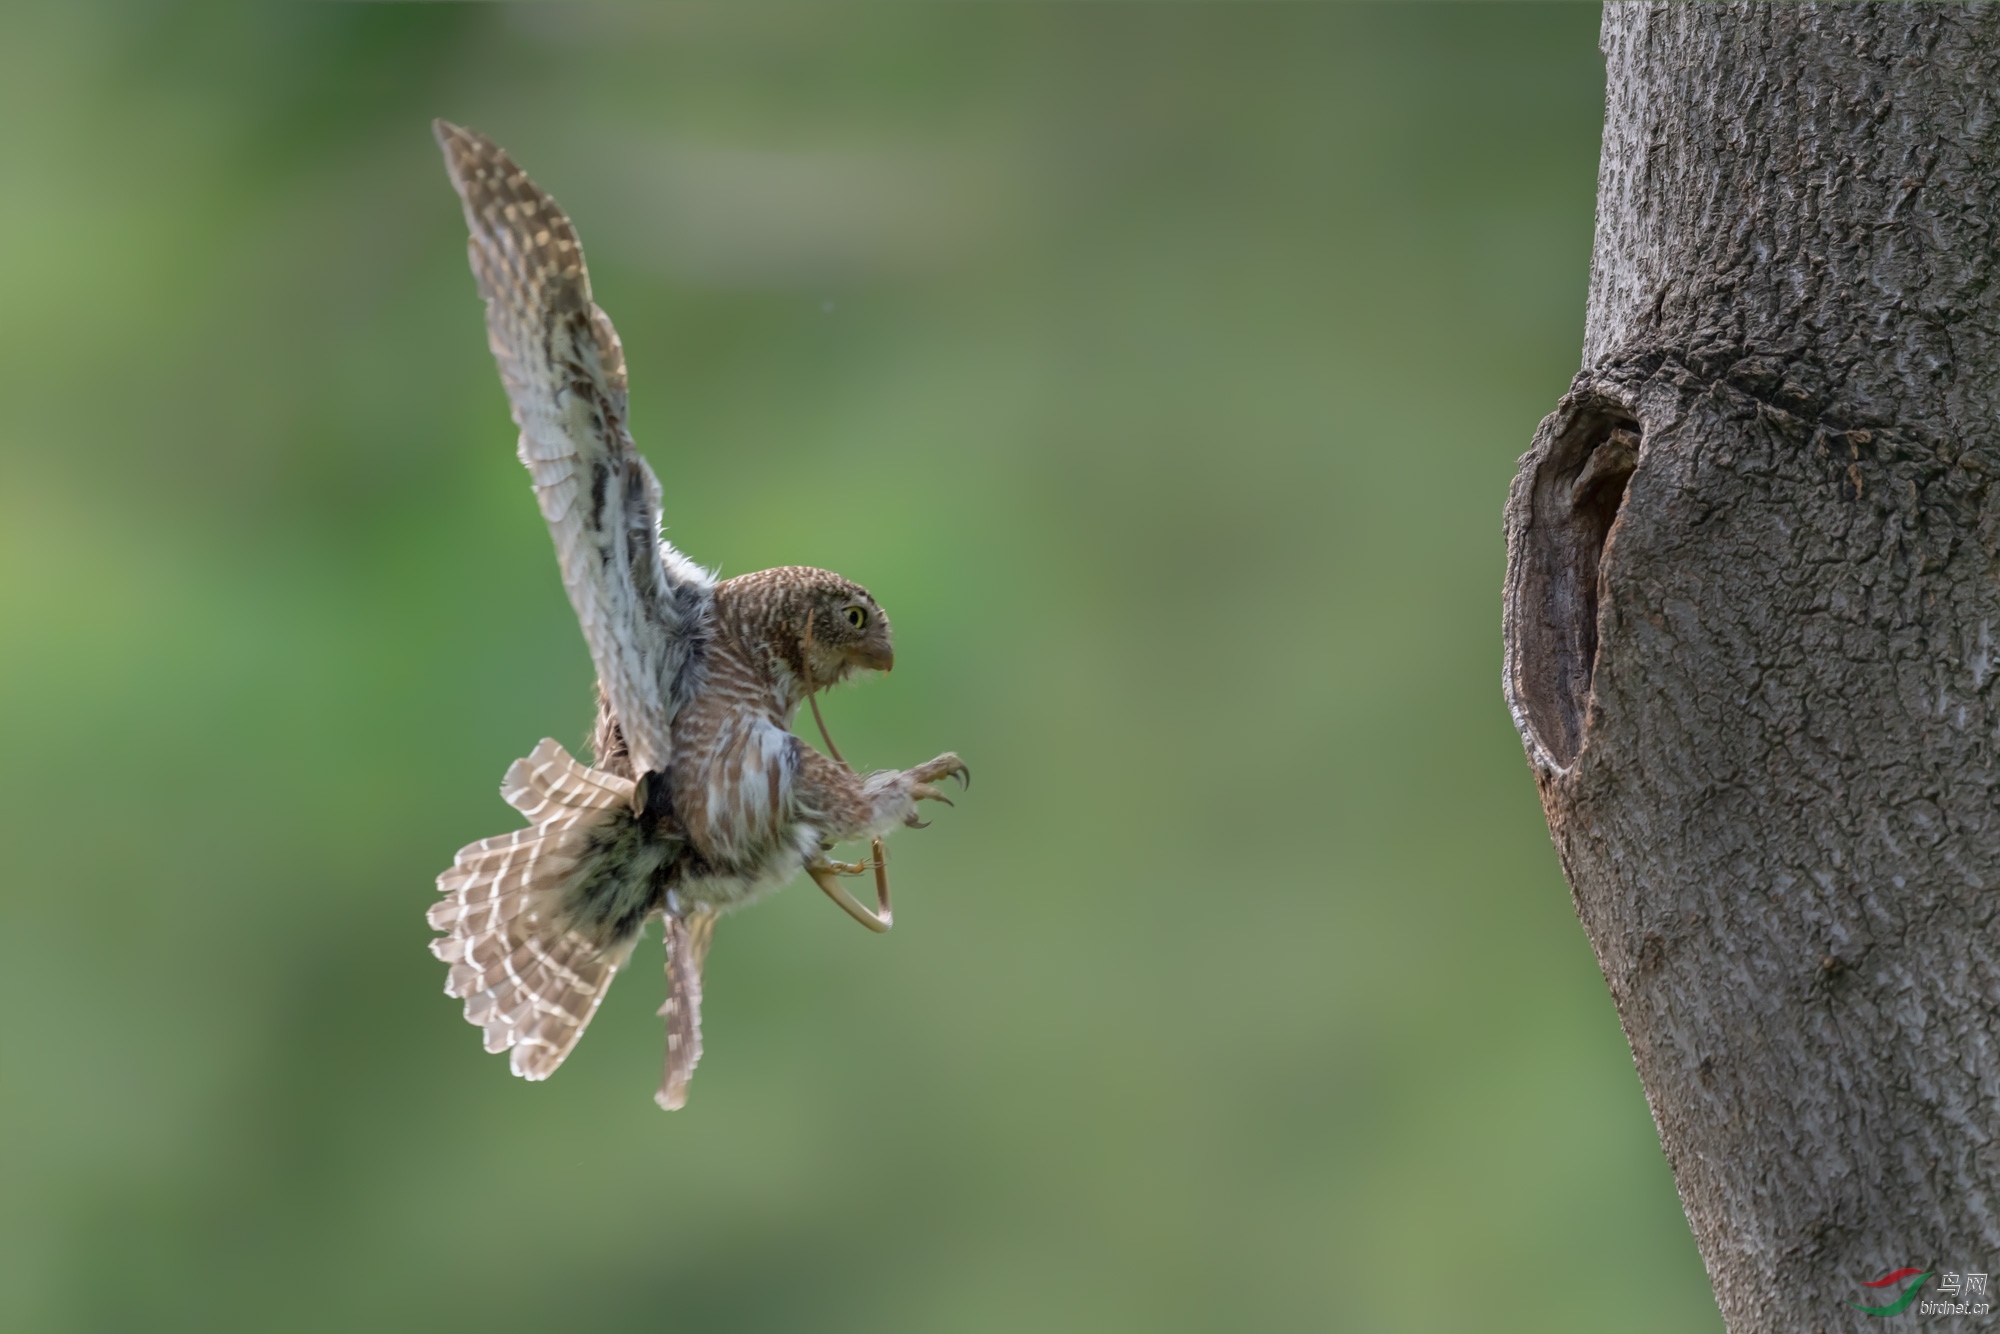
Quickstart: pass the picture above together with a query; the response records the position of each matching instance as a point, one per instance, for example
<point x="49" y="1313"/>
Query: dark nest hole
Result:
<point x="1574" y="500"/>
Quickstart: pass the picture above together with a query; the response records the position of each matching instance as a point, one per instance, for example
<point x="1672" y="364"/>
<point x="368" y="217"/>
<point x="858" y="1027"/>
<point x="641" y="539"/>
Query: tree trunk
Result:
<point x="1753" y="633"/>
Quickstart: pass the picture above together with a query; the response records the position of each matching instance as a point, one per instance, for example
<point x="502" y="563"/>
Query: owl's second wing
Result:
<point x="687" y="946"/>
<point x="637" y="598"/>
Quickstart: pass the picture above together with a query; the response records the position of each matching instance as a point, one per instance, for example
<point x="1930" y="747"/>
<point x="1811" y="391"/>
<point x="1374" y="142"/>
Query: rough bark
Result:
<point x="1753" y="632"/>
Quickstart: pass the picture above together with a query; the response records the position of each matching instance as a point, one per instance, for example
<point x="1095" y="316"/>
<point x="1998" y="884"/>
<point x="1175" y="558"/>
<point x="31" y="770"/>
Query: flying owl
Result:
<point x="699" y="797"/>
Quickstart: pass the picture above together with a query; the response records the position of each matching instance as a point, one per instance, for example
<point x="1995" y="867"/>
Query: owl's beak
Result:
<point x="876" y="658"/>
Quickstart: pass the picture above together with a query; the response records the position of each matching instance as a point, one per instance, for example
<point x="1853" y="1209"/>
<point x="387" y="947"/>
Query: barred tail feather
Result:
<point x="529" y="980"/>
<point x="548" y="781"/>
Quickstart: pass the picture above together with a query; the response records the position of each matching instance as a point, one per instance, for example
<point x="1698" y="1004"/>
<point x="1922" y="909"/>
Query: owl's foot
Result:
<point x="934" y="771"/>
<point x="944" y="766"/>
<point x="826" y="872"/>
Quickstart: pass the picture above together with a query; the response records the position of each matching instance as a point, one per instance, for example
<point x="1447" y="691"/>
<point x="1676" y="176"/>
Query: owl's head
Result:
<point x="809" y="618"/>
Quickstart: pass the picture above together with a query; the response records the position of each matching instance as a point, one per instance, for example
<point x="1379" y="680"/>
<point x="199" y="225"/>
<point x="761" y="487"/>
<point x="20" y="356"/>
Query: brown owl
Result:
<point x="699" y="798"/>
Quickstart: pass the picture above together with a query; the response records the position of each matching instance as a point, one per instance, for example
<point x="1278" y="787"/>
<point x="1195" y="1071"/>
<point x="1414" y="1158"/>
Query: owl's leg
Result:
<point x="854" y="807"/>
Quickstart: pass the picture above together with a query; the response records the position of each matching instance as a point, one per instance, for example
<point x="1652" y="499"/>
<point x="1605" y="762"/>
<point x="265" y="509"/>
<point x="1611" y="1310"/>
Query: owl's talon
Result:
<point x="944" y="766"/>
<point x="925" y="792"/>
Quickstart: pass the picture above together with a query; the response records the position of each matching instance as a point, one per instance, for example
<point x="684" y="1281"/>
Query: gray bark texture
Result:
<point x="1752" y="622"/>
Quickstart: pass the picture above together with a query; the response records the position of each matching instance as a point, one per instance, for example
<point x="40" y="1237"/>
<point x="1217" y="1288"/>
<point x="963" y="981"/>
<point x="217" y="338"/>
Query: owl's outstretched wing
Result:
<point x="637" y="598"/>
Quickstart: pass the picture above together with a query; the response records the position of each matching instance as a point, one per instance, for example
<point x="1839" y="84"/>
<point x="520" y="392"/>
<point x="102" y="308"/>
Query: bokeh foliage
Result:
<point x="1161" y="369"/>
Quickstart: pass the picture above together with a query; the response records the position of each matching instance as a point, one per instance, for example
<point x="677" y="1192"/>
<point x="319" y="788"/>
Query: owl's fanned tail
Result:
<point x="687" y="947"/>
<point x="531" y="949"/>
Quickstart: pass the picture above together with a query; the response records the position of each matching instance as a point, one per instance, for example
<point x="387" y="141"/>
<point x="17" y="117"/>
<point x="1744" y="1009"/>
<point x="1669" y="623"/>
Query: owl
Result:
<point x="699" y="797"/>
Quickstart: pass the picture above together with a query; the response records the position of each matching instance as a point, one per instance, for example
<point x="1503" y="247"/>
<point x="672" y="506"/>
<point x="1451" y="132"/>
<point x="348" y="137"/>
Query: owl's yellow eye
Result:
<point x="856" y="617"/>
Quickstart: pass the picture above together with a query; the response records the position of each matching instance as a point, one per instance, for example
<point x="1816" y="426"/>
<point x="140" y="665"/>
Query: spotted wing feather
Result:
<point x="637" y="599"/>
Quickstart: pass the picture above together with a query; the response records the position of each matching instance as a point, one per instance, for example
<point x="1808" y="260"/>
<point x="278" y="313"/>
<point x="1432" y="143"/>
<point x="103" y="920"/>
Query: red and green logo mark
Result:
<point x="1901" y="1303"/>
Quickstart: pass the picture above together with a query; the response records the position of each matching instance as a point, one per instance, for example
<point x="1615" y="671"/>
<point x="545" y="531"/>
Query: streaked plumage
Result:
<point x="700" y="796"/>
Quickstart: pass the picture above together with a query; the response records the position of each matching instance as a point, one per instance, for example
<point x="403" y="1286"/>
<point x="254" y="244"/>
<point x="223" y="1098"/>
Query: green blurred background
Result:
<point x="1161" y="369"/>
